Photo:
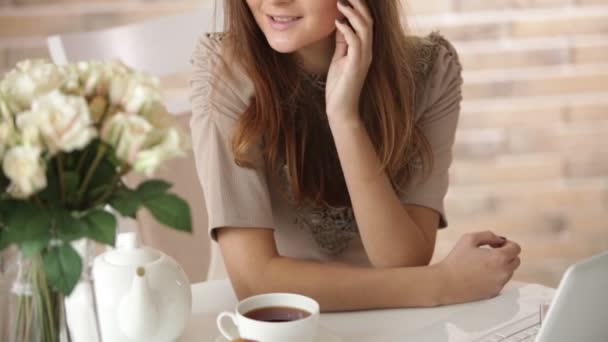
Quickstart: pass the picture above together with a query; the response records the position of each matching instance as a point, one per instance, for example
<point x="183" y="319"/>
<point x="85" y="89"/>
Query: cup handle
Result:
<point x="222" y="327"/>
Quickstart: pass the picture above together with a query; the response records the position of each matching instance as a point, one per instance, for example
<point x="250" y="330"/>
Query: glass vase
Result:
<point x="7" y="275"/>
<point x="38" y="313"/>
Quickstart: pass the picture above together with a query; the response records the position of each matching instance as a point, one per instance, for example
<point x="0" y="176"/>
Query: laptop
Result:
<point x="578" y="312"/>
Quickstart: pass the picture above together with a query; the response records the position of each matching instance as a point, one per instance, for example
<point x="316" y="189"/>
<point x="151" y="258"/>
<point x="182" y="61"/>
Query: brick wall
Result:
<point x="531" y="160"/>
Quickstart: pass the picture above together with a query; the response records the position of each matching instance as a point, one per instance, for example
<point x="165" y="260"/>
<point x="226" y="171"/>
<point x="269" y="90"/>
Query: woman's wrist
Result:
<point x="441" y="293"/>
<point x="344" y="120"/>
<point x="431" y="290"/>
<point x="444" y="286"/>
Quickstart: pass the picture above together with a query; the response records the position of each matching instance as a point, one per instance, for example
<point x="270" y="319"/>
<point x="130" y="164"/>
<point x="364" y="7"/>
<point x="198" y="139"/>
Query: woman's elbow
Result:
<point x="246" y="288"/>
<point x="250" y="282"/>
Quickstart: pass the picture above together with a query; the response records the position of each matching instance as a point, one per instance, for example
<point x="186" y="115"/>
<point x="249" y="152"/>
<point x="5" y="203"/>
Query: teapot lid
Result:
<point x="129" y="253"/>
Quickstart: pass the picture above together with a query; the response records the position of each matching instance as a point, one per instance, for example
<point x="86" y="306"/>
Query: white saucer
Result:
<point x="323" y="335"/>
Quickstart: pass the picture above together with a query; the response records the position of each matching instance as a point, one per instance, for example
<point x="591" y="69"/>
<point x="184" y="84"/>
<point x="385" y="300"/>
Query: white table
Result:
<point x="454" y="323"/>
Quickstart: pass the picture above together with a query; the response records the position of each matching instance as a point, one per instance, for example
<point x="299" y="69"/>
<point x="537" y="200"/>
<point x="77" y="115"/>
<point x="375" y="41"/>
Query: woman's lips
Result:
<point x="281" y="22"/>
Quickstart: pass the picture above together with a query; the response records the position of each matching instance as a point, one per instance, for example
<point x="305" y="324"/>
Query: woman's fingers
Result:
<point x="362" y="8"/>
<point x="484" y="238"/>
<point x="341" y="46"/>
<point x="514" y="264"/>
<point x="354" y="44"/>
<point x="355" y="19"/>
<point x="511" y="268"/>
<point x="511" y="250"/>
<point x="360" y="22"/>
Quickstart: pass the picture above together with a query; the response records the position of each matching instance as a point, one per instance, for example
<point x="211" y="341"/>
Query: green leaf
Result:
<point x="63" y="267"/>
<point x="152" y="188"/>
<point x="112" y="158"/>
<point x="170" y="210"/>
<point x="68" y="227"/>
<point x="71" y="180"/>
<point x="101" y="226"/>
<point x="31" y="248"/>
<point x="102" y="177"/>
<point x="70" y="159"/>
<point x="27" y="222"/>
<point x="126" y="202"/>
<point x="51" y="193"/>
<point x="4" y="242"/>
<point x="97" y="192"/>
<point x="6" y="207"/>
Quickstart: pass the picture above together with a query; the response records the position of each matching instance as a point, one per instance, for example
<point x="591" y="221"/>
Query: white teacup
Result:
<point x="299" y="330"/>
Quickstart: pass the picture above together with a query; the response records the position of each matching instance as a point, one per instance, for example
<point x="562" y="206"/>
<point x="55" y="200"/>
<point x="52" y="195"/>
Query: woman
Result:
<point x="323" y="137"/>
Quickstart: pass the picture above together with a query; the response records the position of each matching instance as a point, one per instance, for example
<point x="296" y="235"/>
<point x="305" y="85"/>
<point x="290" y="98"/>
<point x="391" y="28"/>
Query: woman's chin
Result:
<point x="282" y="46"/>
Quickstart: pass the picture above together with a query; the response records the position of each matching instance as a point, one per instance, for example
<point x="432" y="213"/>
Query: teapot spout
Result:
<point x="137" y="311"/>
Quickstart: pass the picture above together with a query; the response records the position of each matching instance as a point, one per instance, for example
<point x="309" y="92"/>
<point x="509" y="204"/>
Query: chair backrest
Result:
<point x="159" y="47"/>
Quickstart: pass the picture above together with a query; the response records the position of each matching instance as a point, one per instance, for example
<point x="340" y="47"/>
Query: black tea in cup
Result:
<point x="277" y="314"/>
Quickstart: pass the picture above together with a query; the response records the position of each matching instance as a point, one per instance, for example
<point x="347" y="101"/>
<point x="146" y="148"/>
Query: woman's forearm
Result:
<point x="389" y="235"/>
<point x="340" y="287"/>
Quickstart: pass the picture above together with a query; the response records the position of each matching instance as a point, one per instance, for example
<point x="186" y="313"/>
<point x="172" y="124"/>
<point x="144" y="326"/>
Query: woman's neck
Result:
<point x="316" y="57"/>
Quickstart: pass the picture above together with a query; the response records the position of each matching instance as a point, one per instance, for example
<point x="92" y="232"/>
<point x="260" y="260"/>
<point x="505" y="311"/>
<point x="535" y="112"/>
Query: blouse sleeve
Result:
<point x="438" y="117"/>
<point x="235" y="196"/>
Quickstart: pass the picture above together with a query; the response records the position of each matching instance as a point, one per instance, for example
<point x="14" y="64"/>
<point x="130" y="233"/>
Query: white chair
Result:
<point x="160" y="47"/>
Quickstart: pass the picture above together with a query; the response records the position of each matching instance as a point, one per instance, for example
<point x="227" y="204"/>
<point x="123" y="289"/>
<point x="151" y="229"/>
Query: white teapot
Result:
<point x="142" y="294"/>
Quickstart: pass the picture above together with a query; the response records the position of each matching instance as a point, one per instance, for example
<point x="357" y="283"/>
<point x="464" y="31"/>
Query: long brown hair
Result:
<point x="287" y="113"/>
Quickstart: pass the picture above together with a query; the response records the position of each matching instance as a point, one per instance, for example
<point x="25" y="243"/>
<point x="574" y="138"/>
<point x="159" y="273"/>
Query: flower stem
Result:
<point x="81" y="161"/>
<point x="51" y="312"/>
<point x="87" y="179"/>
<point x="38" y="304"/>
<point x="114" y="183"/>
<point x="27" y="327"/>
<point x="21" y="303"/>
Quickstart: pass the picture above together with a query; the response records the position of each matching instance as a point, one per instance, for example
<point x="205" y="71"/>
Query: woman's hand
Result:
<point x="475" y="273"/>
<point x="351" y="60"/>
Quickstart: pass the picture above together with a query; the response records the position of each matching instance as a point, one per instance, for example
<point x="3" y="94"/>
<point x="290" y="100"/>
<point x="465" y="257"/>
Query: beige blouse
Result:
<point x="242" y="197"/>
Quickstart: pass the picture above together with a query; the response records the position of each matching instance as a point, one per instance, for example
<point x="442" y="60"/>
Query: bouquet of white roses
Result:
<point x="68" y="135"/>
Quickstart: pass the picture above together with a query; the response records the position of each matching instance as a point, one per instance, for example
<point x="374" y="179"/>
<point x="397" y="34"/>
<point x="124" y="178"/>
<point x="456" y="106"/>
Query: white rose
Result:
<point x="139" y="96"/>
<point x="162" y="145"/>
<point x="5" y="112"/>
<point x="127" y="133"/>
<point x="156" y="113"/>
<point x="23" y="166"/>
<point x="28" y="124"/>
<point x="6" y="136"/>
<point x="31" y="78"/>
<point x="96" y="76"/>
<point x="119" y="89"/>
<point x="64" y="122"/>
<point x="133" y="92"/>
<point x="71" y="82"/>
<point x="91" y="76"/>
<point x="7" y="128"/>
